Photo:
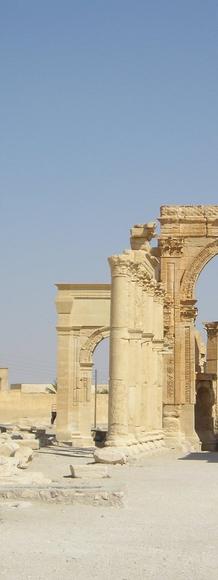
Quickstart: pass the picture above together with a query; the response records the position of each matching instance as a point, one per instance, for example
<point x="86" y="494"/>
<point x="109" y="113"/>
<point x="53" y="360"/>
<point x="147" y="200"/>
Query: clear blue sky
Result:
<point x="107" y="110"/>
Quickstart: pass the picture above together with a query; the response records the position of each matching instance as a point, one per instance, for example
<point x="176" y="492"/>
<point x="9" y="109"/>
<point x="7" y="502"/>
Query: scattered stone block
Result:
<point x="27" y="435"/>
<point x="24" y="425"/>
<point x="112" y="456"/>
<point x="23" y="455"/>
<point x="91" y="471"/>
<point x="4" y="437"/>
<point x="8" y="448"/>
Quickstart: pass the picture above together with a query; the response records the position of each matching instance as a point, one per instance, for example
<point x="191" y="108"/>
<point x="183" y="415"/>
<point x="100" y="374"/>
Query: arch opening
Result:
<point x="192" y="274"/>
<point x="100" y="390"/>
<point x="206" y="355"/>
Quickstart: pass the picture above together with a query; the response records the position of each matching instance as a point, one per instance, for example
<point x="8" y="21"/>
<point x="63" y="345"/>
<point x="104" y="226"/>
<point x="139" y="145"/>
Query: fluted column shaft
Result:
<point x="118" y="389"/>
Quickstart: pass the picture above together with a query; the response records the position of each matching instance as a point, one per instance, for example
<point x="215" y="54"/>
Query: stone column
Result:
<point x="149" y="398"/>
<point x="158" y="345"/>
<point x="186" y="362"/>
<point x="64" y="421"/>
<point x="142" y="408"/>
<point x="212" y="347"/>
<point x="212" y="360"/>
<point x="171" y="251"/>
<point x="119" y="343"/>
<point x="136" y="369"/>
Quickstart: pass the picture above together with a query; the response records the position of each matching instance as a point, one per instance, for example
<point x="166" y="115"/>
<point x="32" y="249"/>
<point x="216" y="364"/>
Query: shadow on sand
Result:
<point x="209" y="456"/>
<point x="67" y="451"/>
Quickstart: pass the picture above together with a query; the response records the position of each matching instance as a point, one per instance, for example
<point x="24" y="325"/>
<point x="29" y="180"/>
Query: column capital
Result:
<point x="120" y="264"/>
<point x="211" y="328"/>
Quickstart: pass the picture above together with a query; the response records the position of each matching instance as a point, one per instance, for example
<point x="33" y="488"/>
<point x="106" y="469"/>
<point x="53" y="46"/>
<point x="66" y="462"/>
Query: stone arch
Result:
<point x="92" y="342"/>
<point x="192" y="273"/>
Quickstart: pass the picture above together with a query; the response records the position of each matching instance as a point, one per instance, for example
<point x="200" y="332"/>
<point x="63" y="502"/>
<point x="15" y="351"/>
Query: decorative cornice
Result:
<point x="188" y="311"/>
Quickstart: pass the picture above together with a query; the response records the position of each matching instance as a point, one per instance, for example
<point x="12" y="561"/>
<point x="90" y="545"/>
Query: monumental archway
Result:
<point x="188" y="241"/>
<point x="83" y="321"/>
<point x="144" y="280"/>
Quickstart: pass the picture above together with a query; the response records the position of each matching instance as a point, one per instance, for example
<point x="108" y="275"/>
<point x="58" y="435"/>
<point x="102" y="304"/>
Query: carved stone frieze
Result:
<point x="171" y="247"/>
<point x="168" y="316"/>
<point x="159" y="291"/>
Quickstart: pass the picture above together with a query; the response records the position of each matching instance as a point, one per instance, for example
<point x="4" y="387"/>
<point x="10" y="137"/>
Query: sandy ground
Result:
<point x="168" y="528"/>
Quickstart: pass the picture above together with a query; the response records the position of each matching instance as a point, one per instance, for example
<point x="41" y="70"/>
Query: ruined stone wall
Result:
<point x="15" y="405"/>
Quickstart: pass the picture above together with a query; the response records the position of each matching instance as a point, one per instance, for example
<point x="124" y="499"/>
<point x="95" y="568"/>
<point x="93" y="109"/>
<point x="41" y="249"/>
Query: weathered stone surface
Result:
<point x="24" y="425"/>
<point x="35" y="478"/>
<point x="27" y="435"/>
<point x="65" y="496"/>
<point x="23" y="456"/>
<point x="8" y="467"/>
<point x="110" y="455"/>
<point x="8" y="448"/>
<point x="90" y="471"/>
<point x="4" y="437"/>
<point x="33" y="443"/>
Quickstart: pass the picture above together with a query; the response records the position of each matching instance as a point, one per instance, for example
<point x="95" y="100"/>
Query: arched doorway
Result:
<point x="94" y="369"/>
<point x="100" y="390"/>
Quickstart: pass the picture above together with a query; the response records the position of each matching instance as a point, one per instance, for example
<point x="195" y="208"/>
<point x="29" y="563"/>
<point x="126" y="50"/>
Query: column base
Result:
<point x="79" y="440"/>
<point x="75" y="439"/>
<point x="145" y="442"/>
<point x="114" y="440"/>
<point x="63" y="436"/>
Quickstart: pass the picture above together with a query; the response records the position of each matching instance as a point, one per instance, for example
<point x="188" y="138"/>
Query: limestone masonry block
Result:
<point x="23" y="455"/>
<point x="110" y="456"/>
<point x="90" y="471"/>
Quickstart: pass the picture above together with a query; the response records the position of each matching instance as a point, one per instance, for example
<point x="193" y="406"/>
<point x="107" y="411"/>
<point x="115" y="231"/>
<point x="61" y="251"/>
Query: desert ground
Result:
<point x="166" y="529"/>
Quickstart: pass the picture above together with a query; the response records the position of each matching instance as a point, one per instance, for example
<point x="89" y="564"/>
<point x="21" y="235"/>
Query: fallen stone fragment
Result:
<point x="91" y="471"/>
<point x="27" y="435"/>
<point x="23" y="456"/>
<point x="8" y="448"/>
<point x="24" y="425"/>
<point x="109" y="455"/>
<point x="4" y="437"/>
